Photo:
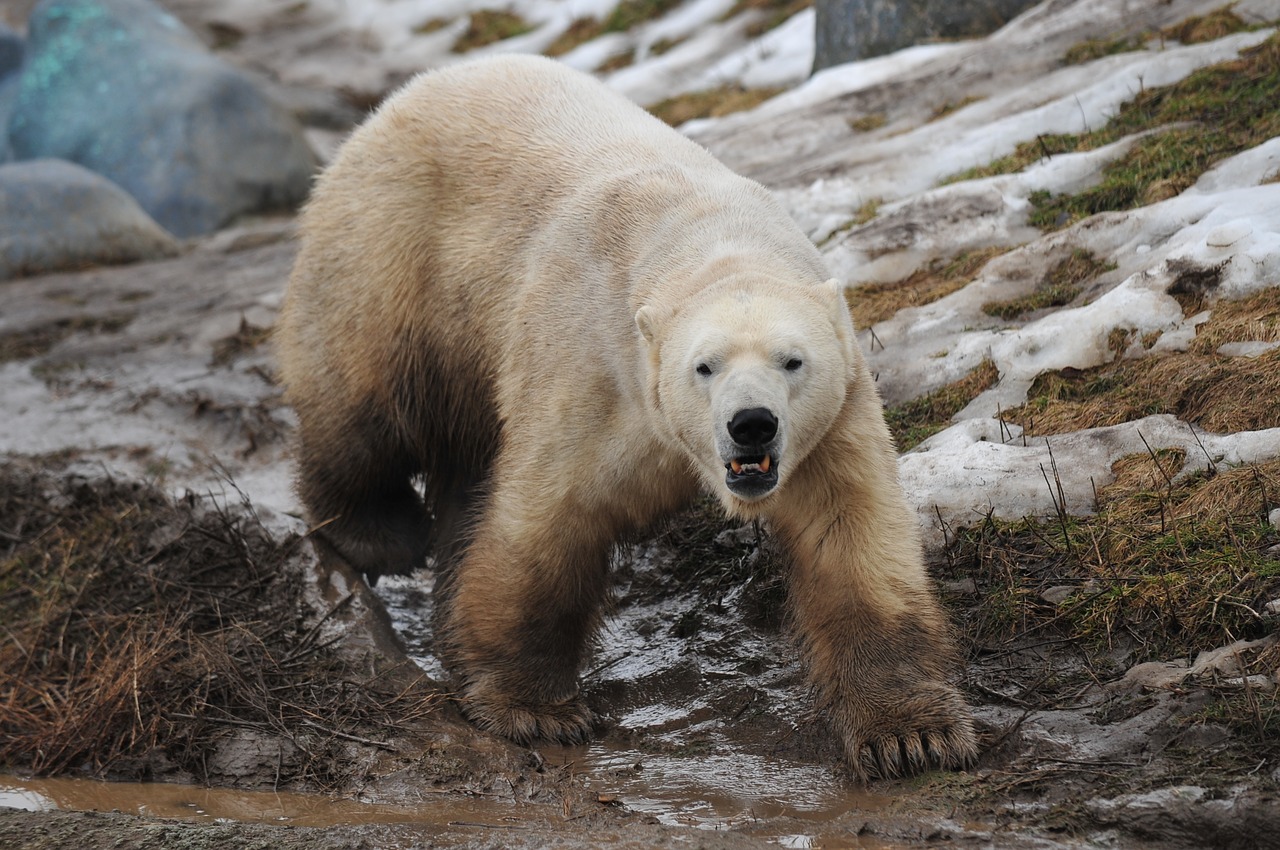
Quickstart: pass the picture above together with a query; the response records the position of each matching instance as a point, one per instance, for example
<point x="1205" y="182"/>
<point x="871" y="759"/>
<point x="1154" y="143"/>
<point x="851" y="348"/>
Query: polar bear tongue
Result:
<point x="739" y="467"/>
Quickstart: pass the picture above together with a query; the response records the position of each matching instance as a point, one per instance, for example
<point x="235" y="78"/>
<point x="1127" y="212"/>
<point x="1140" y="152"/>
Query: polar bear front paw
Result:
<point x="930" y="728"/>
<point x="566" y="721"/>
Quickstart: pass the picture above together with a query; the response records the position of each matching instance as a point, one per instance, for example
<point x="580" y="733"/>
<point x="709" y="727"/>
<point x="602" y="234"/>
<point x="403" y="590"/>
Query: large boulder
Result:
<point x="11" y="49"/>
<point x="848" y="30"/>
<point x="55" y="215"/>
<point x="123" y="88"/>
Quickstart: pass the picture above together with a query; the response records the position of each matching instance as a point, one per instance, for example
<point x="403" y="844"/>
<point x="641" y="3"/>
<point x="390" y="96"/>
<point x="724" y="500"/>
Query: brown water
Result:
<point x="791" y="807"/>
<point x="190" y="802"/>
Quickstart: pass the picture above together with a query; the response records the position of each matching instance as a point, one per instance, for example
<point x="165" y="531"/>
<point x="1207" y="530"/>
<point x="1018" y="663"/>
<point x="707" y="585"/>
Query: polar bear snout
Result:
<point x="754" y="426"/>
<point x="752" y="466"/>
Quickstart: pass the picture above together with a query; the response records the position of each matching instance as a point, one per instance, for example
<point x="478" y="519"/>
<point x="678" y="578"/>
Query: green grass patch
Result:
<point x="913" y="422"/>
<point x="1060" y="285"/>
<point x="1212" y="114"/>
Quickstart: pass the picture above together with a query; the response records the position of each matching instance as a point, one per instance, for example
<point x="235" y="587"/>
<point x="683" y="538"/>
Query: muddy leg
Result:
<point x="355" y="481"/>
<point x="874" y="636"/>
<point x="523" y="607"/>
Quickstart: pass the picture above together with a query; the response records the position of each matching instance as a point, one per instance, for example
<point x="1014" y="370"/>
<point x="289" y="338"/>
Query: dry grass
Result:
<point x="246" y="339"/>
<point x="949" y="107"/>
<point x="1059" y="286"/>
<point x="776" y="12"/>
<point x="139" y="631"/>
<point x="579" y="32"/>
<point x="711" y="103"/>
<point x="1217" y="393"/>
<point x="877" y="302"/>
<point x="915" y="421"/>
<point x="1201" y="28"/>
<point x="867" y="123"/>
<point x="23" y="345"/>
<point x="487" y="26"/>
<point x="1167" y="567"/>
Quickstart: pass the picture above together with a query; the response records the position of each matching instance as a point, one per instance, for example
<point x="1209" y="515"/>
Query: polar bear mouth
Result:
<point x="751" y="476"/>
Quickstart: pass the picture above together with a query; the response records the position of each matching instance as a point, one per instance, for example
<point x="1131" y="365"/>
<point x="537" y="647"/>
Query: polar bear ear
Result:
<point x="647" y="322"/>
<point x="841" y="317"/>
<point x="839" y="304"/>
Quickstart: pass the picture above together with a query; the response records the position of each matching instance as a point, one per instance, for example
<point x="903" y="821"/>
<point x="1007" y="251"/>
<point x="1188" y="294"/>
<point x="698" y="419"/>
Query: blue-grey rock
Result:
<point x="11" y="48"/>
<point x="55" y="215"/>
<point x="849" y="30"/>
<point x="10" y="51"/>
<point x="124" y="89"/>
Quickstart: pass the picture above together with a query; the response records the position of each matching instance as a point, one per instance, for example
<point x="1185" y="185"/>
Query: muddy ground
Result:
<point x="707" y="739"/>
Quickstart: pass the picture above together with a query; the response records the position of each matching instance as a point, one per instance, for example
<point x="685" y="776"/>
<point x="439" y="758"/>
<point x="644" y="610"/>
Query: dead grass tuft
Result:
<point x="1201" y="28"/>
<point x="1253" y="318"/>
<point x="488" y="26"/>
<point x="246" y="339"/>
<point x="579" y="32"/>
<point x="877" y="302"/>
<point x="140" y="631"/>
<point x="711" y="103"/>
<point x="1059" y="286"/>
<point x="915" y="421"/>
<point x="23" y="345"/>
<point x="1215" y="392"/>
<point x="776" y="13"/>
<point x="1168" y="566"/>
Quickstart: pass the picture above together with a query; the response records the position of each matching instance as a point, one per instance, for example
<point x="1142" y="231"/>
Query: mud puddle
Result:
<point x="698" y="720"/>
<point x="449" y="815"/>
<point x="189" y="802"/>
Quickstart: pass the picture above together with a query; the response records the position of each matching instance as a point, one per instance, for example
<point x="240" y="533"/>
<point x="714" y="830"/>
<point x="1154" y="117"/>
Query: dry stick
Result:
<point x="311" y="633"/>
<point x="1213" y="467"/>
<point x="1059" y="498"/>
<point x="382" y="745"/>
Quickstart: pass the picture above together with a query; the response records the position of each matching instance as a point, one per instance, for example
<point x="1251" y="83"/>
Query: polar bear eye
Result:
<point x="703" y="369"/>
<point x="794" y="363"/>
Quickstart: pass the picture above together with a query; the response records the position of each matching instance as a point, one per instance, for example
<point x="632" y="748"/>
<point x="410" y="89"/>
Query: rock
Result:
<point x="1225" y="660"/>
<point x="743" y="535"/>
<point x="1150" y="675"/>
<point x="124" y="89"/>
<point x="10" y="51"/>
<point x="848" y="30"/>
<point x="11" y="48"/>
<point x="56" y="215"/>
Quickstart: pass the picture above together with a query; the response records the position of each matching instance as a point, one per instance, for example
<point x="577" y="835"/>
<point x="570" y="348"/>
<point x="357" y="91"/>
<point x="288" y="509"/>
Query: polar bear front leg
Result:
<point x="521" y="612"/>
<point x="874" y="636"/>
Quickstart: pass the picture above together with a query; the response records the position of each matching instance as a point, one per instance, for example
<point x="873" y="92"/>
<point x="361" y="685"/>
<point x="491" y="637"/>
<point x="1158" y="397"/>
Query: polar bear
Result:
<point x="564" y="320"/>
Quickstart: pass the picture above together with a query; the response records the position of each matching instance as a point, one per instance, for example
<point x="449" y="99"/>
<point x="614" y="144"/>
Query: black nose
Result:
<point x="753" y="427"/>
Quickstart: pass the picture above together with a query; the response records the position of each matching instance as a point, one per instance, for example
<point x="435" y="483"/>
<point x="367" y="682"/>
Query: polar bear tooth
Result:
<point x="766" y="463"/>
<point x="735" y="466"/>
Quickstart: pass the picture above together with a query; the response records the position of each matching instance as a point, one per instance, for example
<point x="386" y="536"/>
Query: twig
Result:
<point x="382" y="745"/>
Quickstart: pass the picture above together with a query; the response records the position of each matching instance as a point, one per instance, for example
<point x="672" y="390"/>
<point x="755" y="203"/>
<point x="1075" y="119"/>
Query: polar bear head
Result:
<point x="747" y="378"/>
